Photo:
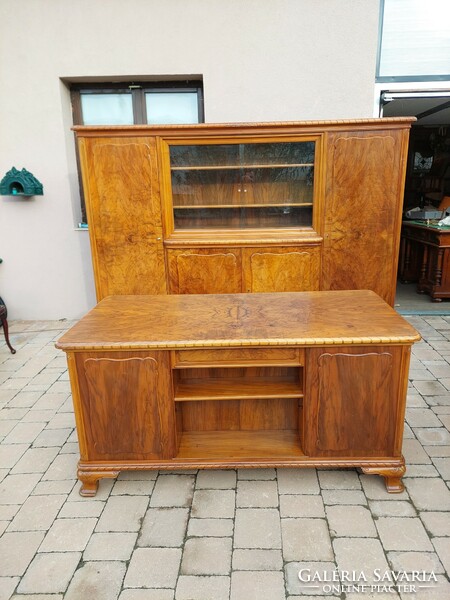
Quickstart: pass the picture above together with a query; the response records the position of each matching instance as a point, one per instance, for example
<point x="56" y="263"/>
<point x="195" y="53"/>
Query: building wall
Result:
<point x="261" y="60"/>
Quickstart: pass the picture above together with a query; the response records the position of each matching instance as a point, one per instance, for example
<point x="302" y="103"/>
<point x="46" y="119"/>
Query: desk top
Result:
<point x="423" y="225"/>
<point x="282" y="319"/>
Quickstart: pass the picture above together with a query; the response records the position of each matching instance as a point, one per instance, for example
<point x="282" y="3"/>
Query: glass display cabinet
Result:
<point x="242" y="185"/>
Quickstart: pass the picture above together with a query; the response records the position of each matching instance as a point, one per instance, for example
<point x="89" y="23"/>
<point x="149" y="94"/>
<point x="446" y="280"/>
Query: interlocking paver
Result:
<point x="257" y="494"/>
<point x="257" y="528"/>
<point x="428" y="494"/>
<point x="110" y="546"/>
<point x="99" y="580"/>
<point x="306" y="539"/>
<point x="297" y="481"/>
<point x="301" y="506"/>
<point x="17" y="550"/>
<point x="218" y="480"/>
<point x="123" y="513"/>
<point x="216" y="504"/>
<point x="415" y="561"/>
<point x="254" y="585"/>
<point x="350" y="521"/>
<point x="436" y="523"/>
<point x="206" y="556"/>
<point x="202" y="588"/>
<point x="210" y="527"/>
<point x="165" y="564"/>
<point x="49" y="573"/>
<point x="403" y="534"/>
<point x="163" y="527"/>
<point x="257" y="560"/>
<point x="173" y="490"/>
<point x="37" y="513"/>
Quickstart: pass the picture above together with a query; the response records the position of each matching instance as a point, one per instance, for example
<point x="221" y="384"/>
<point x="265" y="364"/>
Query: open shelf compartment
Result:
<point x="233" y="383"/>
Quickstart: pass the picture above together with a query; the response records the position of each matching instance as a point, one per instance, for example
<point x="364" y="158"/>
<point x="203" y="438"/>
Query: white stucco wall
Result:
<point x="261" y="60"/>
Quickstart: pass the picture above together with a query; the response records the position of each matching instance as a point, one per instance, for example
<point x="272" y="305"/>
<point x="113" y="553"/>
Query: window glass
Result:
<point x="171" y="108"/>
<point x="415" y="39"/>
<point x="107" y="109"/>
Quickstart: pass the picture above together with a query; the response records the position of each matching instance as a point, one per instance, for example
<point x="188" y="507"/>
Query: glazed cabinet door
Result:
<point x="205" y="271"/>
<point x="120" y="179"/>
<point x="354" y="401"/>
<point x="124" y="408"/>
<point x="362" y="211"/>
<point x="281" y="269"/>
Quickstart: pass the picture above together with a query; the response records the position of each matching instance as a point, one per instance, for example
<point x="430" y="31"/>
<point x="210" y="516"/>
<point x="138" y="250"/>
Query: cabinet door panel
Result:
<point x="122" y="197"/>
<point x="127" y="408"/>
<point x="362" y="212"/>
<point x="352" y="400"/>
<point x="281" y="270"/>
<point x="204" y="271"/>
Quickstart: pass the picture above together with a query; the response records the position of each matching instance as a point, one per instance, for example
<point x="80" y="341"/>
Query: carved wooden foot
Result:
<point x="89" y="487"/>
<point x="90" y="479"/>
<point x="392" y="476"/>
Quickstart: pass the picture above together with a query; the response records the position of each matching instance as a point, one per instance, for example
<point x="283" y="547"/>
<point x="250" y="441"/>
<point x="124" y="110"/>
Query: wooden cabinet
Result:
<point x="316" y="379"/>
<point x="259" y="207"/>
<point x="425" y="258"/>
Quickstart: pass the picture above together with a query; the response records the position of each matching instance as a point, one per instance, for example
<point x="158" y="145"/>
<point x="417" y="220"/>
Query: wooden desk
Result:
<point x="313" y="379"/>
<point x="425" y="258"/>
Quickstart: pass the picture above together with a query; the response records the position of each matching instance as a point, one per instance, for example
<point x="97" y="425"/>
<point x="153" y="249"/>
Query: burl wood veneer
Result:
<point x="311" y="379"/>
<point x="264" y="207"/>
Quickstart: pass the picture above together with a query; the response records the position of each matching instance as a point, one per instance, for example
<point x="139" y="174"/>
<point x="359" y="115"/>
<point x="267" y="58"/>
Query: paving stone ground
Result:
<point x="210" y="535"/>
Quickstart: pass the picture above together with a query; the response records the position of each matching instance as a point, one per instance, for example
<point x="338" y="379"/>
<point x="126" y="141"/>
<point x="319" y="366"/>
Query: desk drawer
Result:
<point x="239" y="356"/>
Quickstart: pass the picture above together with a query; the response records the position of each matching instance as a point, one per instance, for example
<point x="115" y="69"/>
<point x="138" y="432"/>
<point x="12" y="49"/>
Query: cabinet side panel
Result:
<point x="125" y="216"/>
<point x="352" y="401"/>
<point x="361" y="222"/>
<point x="127" y="408"/>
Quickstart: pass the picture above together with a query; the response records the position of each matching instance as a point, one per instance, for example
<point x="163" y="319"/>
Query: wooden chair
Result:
<point x="4" y="323"/>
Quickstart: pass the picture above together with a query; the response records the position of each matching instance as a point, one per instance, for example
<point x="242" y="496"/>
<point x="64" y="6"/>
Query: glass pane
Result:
<point x="205" y="155"/>
<point x="286" y="153"/>
<point x="243" y="185"/>
<point x="415" y="39"/>
<point x="243" y="218"/>
<point x="171" y="108"/>
<point x="107" y="109"/>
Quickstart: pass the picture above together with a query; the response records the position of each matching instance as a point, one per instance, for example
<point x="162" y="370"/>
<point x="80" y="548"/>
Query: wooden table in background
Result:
<point x="425" y="258"/>
<point x="312" y="379"/>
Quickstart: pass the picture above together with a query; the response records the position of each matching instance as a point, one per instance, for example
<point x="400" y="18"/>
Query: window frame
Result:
<point x="137" y="90"/>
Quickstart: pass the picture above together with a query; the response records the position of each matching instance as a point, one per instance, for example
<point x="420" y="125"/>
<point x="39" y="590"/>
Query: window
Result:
<point x="159" y="103"/>
<point x="156" y="103"/>
<point x="415" y="40"/>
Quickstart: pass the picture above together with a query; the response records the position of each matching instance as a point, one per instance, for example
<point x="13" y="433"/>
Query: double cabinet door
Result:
<point x="234" y="270"/>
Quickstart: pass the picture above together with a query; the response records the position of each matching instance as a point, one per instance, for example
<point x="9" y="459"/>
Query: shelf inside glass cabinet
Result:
<point x="255" y="185"/>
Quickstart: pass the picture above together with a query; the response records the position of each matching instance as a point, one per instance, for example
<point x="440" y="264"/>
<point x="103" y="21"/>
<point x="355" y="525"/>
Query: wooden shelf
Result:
<point x="287" y="205"/>
<point x="240" y="167"/>
<point x="236" y="388"/>
<point x="268" y="444"/>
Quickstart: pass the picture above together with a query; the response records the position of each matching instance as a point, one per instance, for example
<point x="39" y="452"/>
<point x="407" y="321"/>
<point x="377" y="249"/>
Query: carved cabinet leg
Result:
<point x="90" y="479"/>
<point x="392" y="476"/>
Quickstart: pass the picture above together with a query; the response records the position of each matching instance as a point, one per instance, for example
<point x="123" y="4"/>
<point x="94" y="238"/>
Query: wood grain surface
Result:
<point x="284" y="319"/>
